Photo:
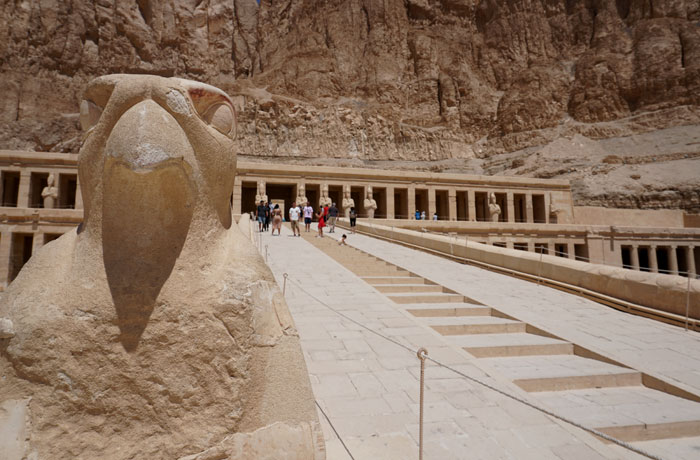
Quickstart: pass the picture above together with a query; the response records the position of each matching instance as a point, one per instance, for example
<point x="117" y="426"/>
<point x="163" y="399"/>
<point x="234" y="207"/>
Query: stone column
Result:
<point x="471" y="205"/>
<point x="547" y="202"/>
<point x="511" y="207"/>
<point x="23" y="193"/>
<point x="551" y="248"/>
<point x="78" y="193"/>
<point x="37" y="241"/>
<point x="390" y="204"/>
<point x="431" y="203"/>
<point x="571" y="249"/>
<point x="237" y="196"/>
<point x="634" y="255"/>
<point x="672" y="260"/>
<point x="689" y="256"/>
<point x="530" y="245"/>
<point x="5" y="247"/>
<point x="653" y="263"/>
<point x="530" y="214"/>
<point x="452" y="198"/>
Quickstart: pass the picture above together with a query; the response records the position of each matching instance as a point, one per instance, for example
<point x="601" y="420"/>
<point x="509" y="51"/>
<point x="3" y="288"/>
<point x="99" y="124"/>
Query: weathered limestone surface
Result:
<point x="155" y="330"/>
<point x="442" y="84"/>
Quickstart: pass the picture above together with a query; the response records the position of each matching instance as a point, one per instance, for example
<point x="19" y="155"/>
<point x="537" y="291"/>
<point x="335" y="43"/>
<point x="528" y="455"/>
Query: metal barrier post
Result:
<point x="422" y="353"/>
<point x="284" y="285"/>
<point x="266" y="253"/>
<point x="539" y="267"/>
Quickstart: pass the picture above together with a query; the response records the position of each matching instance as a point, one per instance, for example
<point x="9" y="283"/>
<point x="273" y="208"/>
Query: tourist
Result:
<point x="321" y="220"/>
<point x="332" y="217"/>
<point x="353" y="220"/>
<point x="294" y="213"/>
<point x="260" y="214"/>
<point x="417" y="214"/>
<point x="342" y="240"/>
<point x="435" y="216"/>
<point x="422" y="215"/>
<point x="276" y="220"/>
<point x="308" y="214"/>
<point x="270" y="209"/>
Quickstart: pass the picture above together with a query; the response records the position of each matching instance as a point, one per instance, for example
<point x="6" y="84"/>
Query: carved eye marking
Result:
<point x="221" y="117"/>
<point x="89" y="114"/>
<point x="214" y="106"/>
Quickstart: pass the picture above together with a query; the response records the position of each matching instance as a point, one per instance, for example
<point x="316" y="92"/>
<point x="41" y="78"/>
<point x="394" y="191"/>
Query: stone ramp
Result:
<point x="369" y="386"/>
<point x="541" y="363"/>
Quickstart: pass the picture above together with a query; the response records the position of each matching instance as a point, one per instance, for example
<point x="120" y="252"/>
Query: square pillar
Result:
<point x="237" y="196"/>
<point x="411" y="202"/>
<point x="431" y="203"/>
<point x="571" y="249"/>
<point x="78" y="192"/>
<point x="530" y="215"/>
<point x="471" y="203"/>
<point x="551" y="248"/>
<point x="5" y="246"/>
<point x="452" y="198"/>
<point x="390" y="204"/>
<point x="23" y="193"/>
<point x="530" y="245"/>
<point x="653" y="263"/>
<point x="635" y="257"/>
<point x="37" y="242"/>
<point x="690" y="258"/>
<point x="511" y="206"/>
<point x="547" y="206"/>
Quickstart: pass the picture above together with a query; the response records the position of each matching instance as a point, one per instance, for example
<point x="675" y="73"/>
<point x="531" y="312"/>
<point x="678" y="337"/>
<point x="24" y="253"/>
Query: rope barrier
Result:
<point x="593" y="431"/>
<point x="334" y="430"/>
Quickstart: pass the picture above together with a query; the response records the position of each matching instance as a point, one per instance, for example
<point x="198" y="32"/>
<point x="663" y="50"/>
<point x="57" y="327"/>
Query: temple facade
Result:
<point x="41" y="200"/>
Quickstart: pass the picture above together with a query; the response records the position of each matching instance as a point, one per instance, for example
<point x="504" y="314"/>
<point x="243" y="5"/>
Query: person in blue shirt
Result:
<point x="417" y="214"/>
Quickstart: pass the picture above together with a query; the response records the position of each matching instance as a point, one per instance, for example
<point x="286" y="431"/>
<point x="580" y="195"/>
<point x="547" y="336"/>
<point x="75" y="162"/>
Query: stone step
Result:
<point x="628" y="413"/>
<point x="426" y="298"/>
<point x="452" y="309"/>
<point x="561" y="372"/>
<point x="513" y="344"/>
<point x="405" y="288"/>
<point x="376" y="272"/>
<point x="394" y="280"/>
<point x="462" y="325"/>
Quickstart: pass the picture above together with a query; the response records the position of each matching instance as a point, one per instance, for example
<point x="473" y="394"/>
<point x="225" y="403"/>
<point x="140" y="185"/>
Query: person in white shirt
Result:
<point x="294" y="213"/>
<point x="435" y="216"/>
<point x="308" y="215"/>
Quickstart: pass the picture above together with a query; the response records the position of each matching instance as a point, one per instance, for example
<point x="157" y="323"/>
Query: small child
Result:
<point x="342" y="240"/>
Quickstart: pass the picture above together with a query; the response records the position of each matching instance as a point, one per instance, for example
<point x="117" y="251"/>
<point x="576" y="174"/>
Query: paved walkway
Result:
<point x="369" y="386"/>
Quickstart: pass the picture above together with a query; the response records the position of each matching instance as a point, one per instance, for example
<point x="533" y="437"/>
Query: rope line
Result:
<point x="480" y="382"/>
<point x="334" y="430"/>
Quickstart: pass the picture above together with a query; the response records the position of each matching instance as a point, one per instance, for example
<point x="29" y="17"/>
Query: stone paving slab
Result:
<point x="529" y="367"/>
<point x="368" y="386"/>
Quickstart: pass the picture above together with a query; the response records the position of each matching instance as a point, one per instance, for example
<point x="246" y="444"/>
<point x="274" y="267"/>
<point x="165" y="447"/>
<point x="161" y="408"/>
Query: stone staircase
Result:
<point x="568" y="379"/>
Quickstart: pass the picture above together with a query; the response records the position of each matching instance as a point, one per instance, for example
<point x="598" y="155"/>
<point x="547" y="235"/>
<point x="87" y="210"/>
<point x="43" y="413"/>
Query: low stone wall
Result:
<point x="595" y="215"/>
<point x="666" y="293"/>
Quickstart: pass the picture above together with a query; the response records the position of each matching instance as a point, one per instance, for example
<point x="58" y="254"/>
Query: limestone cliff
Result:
<point x="460" y="85"/>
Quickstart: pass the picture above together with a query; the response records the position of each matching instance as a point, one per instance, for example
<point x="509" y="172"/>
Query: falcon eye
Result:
<point x="213" y="106"/>
<point x="89" y="114"/>
<point x="221" y="117"/>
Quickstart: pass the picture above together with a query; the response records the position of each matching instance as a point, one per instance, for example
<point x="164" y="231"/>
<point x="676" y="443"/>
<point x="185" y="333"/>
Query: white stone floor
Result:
<point x="369" y="387"/>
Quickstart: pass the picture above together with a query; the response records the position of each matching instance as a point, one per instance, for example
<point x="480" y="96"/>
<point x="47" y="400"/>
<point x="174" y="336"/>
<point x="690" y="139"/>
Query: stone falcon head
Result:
<point x="156" y="172"/>
<point x="147" y="135"/>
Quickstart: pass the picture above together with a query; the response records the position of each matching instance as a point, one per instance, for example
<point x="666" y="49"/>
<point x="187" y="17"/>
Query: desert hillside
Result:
<point x="605" y="93"/>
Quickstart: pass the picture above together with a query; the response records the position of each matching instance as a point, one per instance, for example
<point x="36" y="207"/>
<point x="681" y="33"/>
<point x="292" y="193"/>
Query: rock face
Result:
<point x="423" y="83"/>
<point x="155" y="330"/>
